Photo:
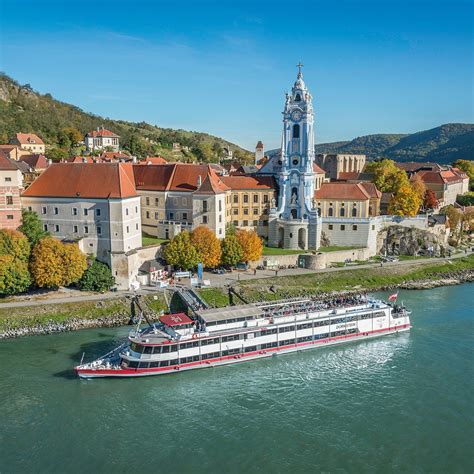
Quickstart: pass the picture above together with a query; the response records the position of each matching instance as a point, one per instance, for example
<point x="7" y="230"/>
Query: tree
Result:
<point x="207" y="245"/>
<point x="97" y="277"/>
<point x="232" y="252"/>
<point x="31" y="226"/>
<point x="15" y="245"/>
<point x="387" y="177"/>
<point x="204" y="153"/>
<point x="251" y="244"/>
<point x="54" y="264"/>
<point x="405" y="202"/>
<point x="466" y="199"/>
<point x="467" y="166"/>
<point x="429" y="200"/>
<point x="418" y="186"/>
<point x="14" y="276"/>
<point x="14" y="255"/>
<point x="74" y="135"/>
<point x="57" y="154"/>
<point x="75" y="264"/>
<point x="181" y="253"/>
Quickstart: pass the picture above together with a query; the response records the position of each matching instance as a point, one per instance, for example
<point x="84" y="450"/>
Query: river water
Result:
<point x="401" y="403"/>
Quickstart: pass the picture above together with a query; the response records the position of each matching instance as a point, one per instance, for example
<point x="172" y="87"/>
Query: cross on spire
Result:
<point x="299" y="66"/>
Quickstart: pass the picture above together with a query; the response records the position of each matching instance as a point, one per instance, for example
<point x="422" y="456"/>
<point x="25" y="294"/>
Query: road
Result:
<point x="219" y="281"/>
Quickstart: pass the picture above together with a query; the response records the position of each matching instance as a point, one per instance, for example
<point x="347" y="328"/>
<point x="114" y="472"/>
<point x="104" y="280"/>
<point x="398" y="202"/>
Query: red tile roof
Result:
<point x="371" y="189"/>
<point x="249" y="182"/>
<point x="440" y="177"/>
<point x="36" y="161"/>
<point x="153" y="160"/>
<point x="29" y="139"/>
<point x="212" y="184"/>
<point x="113" y="155"/>
<point x="259" y="144"/>
<point x="6" y="164"/>
<point x="102" y="132"/>
<point x="85" y="180"/>
<point x="347" y="175"/>
<point x="340" y="191"/>
<point x="318" y="169"/>
<point x="80" y="159"/>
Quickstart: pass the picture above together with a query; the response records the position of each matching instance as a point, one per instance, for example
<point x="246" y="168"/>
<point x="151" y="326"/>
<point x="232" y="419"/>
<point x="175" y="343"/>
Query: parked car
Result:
<point x="218" y="271"/>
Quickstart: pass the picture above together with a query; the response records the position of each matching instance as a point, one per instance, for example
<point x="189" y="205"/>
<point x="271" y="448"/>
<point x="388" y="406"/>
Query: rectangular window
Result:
<point x="246" y="212"/>
<point x="156" y="215"/>
<point x="30" y="208"/>
<point x="171" y="215"/>
<point x="86" y="212"/>
<point x="354" y="227"/>
<point x="246" y="198"/>
<point x="128" y="229"/>
<point x="246" y="223"/>
<point x="56" y="211"/>
<point x="343" y="227"/>
<point x="147" y="214"/>
<point x="157" y="201"/>
<point x="185" y="202"/>
<point x="43" y="210"/>
<point x="136" y="226"/>
<point x="255" y="198"/>
<point x="236" y="198"/>
<point x="56" y="228"/>
<point x="9" y="200"/>
<point x="236" y="223"/>
<point x="265" y="198"/>
<point x="9" y="217"/>
<point x="255" y="223"/>
<point x="147" y="201"/>
<point x="185" y="216"/>
<point x="330" y="226"/>
<point x="220" y="205"/>
<point x="220" y="218"/>
<point x="99" y="230"/>
<point x="204" y="206"/>
<point x="126" y="211"/>
<point x="75" y="229"/>
<point x="136" y="209"/>
<point x="235" y="211"/>
<point x="45" y="227"/>
<point x="8" y="179"/>
<point x="204" y="219"/>
<point x="97" y="212"/>
<point x="86" y="229"/>
<point x="255" y="211"/>
<point x="74" y="211"/>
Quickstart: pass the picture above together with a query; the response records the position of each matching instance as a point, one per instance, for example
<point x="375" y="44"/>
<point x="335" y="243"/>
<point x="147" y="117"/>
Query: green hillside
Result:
<point x="443" y="144"/>
<point x="23" y="109"/>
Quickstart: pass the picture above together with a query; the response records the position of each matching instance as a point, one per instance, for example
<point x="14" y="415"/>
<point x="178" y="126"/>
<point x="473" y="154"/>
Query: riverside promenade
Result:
<point x="217" y="281"/>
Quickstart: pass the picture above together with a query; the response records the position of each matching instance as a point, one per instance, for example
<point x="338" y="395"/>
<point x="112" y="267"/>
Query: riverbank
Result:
<point x="417" y="275"/>
<point x="63" y="317"/>
<point x="57" y="318"/>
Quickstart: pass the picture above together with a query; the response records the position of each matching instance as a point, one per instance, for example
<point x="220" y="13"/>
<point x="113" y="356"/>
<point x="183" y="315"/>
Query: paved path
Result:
<point x="73" y="296"/>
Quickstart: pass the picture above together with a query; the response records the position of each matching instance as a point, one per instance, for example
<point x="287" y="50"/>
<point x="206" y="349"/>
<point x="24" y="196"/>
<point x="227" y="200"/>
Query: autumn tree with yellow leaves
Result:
<point x="207" y="245"/>
<point x="251" y="244"/>
<point x="54" y="264"/>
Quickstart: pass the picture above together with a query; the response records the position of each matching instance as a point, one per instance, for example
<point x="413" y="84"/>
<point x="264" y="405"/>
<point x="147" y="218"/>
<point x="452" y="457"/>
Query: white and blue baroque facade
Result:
<point x="294" y="222"/>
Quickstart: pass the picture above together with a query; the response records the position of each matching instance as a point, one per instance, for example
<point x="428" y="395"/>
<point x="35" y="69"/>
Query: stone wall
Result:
<point x="324" y="259"/>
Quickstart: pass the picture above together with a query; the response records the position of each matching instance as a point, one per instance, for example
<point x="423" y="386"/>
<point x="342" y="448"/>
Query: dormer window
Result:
<point x="297" y="98"/>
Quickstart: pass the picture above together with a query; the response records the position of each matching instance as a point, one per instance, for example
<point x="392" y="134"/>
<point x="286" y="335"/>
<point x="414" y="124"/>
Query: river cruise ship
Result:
<point x="214" y="337"/>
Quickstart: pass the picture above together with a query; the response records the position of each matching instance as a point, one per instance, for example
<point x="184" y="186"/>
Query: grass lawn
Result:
<point x="150" y="240"/>
<point x="214" y="297"/>
<point x="278" y="251"/>
<point x="334" y="248"/>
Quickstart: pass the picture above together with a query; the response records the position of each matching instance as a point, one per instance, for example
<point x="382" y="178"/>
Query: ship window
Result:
<point x="165" y="349"/>
<point x="133" y="364"/>
<point x="148" y="350"/>
<point x="154" y="364"/>
<point x="296" y="131"/>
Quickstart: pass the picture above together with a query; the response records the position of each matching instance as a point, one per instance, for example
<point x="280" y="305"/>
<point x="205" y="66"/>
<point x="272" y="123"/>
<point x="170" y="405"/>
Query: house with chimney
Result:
<point x="29" y="142"/>
<point x="101" y="139"/>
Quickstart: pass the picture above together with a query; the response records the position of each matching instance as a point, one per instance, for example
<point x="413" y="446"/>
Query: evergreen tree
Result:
<point x="97" y="277"/>
<point x="31" y="226"/>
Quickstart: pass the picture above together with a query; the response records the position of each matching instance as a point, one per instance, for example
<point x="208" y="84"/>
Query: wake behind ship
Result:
<point x="214" y="337"/>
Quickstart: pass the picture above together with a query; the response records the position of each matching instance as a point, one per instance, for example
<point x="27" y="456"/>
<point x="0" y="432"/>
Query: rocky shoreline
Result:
<point x="114" y="320"/>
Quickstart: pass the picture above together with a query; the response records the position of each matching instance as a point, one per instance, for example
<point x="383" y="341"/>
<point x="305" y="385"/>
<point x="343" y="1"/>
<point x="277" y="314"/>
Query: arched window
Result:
<point x="296" y="131"/>
<point x="297" y="98"/>
<point x="341" y="212"/>
<point x="330" y="212"/>
<point x="354" y="212"/>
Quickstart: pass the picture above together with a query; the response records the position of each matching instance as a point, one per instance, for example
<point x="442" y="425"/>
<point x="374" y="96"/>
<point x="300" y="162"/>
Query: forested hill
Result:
<point x="443" y="144"/>
<point x="23" y="109"/>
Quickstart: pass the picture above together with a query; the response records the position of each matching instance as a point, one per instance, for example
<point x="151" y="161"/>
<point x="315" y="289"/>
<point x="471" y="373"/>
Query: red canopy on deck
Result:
<point x="177" y="319"/>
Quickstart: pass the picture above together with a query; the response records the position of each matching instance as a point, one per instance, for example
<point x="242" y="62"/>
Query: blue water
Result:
<point x="400" y="404"/>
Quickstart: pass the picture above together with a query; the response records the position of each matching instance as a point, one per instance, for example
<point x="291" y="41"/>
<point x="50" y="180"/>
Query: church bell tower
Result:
<point x="294" y="215"/>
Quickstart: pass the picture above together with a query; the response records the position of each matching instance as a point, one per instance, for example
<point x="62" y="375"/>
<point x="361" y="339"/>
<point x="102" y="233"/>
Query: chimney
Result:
<point x="199" y="181"/>
<point x="134" y="159"/>
<point x="50" y="162"/>
<point x="84" y="159"/>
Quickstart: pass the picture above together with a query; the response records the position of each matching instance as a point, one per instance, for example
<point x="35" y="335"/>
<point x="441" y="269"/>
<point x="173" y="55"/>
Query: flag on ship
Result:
<point x="393" y="297"/>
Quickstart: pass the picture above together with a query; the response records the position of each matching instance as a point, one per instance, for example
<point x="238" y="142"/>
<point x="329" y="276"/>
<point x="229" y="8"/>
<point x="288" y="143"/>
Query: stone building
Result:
<point x="341" y="166"/>
<point x="11" y="185"/>
<point x="95" y="205"/>
<point x="294" y="222"/>
<point x="29" y="142"/>
<point x="100" y="139"/>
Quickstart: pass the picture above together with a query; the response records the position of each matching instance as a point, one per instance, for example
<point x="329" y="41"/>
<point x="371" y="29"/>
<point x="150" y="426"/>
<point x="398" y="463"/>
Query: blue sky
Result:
<point x="222" y="67"/>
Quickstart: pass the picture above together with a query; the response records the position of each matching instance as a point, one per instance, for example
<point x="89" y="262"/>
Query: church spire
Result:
<point x="299" y="66"/>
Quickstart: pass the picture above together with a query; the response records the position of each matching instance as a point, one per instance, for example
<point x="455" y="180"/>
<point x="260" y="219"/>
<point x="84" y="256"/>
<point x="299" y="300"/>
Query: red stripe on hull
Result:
<point x="91" y="373"/>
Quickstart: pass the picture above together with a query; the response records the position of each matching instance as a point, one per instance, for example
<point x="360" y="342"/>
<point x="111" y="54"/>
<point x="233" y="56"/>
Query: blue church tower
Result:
<point x="293" y="222"/>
